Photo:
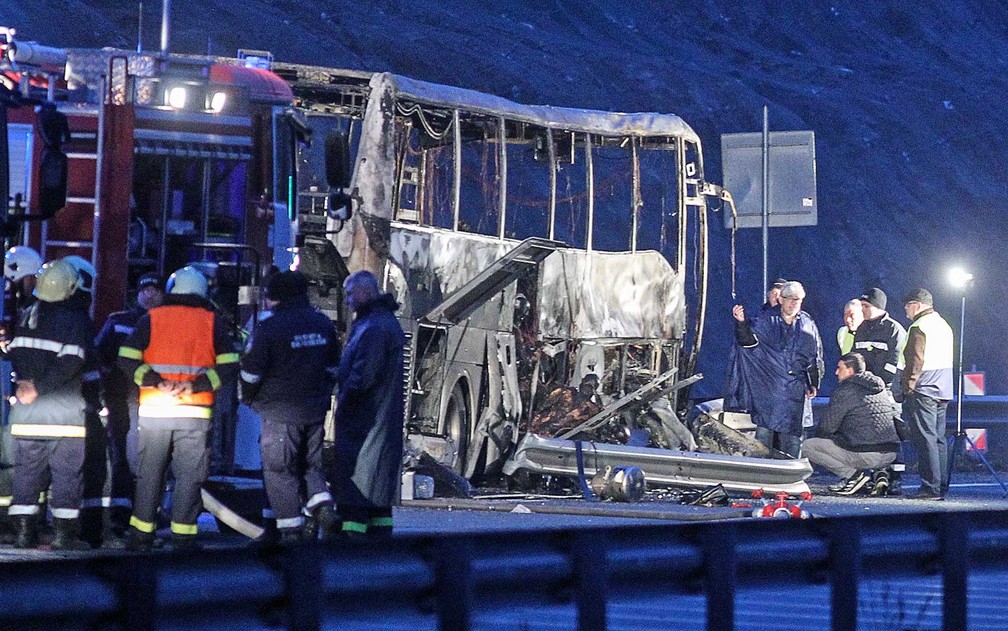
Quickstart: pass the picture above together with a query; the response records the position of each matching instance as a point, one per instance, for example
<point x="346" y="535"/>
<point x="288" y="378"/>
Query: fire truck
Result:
<point x="541" y="254"/>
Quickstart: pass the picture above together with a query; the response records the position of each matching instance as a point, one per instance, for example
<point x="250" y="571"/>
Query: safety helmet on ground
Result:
<point x="188" y="280"/>
<point x="21" y="261"/>
<point x="57" y="281"/>
<point x="85" y="270"/>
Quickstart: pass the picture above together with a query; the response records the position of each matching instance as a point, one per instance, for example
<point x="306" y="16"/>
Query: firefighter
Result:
<point x="47" y="421"/>
<point x="287" y="378"/>
<point x="96" y="444"/>
<point x="178" y="354"/>
<point x="369" y="411"/>
<point x="120" y="397"/>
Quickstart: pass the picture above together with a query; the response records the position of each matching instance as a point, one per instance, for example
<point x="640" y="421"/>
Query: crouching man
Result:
<point x="858" y="434"/>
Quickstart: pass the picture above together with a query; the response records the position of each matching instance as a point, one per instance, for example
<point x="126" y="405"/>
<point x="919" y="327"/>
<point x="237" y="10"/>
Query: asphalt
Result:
<point x="493" y="510"/>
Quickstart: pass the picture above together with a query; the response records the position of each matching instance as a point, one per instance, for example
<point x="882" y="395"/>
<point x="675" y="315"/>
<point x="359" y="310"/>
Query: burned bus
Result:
<point x="540" y="254"/>
<point x="540" y="257"/>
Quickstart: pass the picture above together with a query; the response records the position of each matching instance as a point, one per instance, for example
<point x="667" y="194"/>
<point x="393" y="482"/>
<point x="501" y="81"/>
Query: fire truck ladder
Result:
<point x="78" y="161"/>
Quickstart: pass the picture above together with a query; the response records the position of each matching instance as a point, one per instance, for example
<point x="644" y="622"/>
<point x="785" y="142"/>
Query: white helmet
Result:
<point x="85" y="270"/>
<point x="21" y="261"/>
<point x="57" y="281"/>
<point x="188" y="280"/>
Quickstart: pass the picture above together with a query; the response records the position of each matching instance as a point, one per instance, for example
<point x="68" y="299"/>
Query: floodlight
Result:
<point x="959" y="277"/>
<point x="217" y="101"/>
<point x="176" y="97"/>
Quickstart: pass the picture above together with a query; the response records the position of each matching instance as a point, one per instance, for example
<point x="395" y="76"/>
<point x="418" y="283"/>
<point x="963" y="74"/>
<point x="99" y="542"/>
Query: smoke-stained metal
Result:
<point x="502" y="194"/>
<point x="583" y="295"/>
<point x="457" y="164"/>
<point x="636" y="183"/>
<point x="590" y="187"/>
<point x="551" y="148"/>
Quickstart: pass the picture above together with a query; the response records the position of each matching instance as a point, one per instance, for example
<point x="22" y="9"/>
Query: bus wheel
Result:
<point x="456" y="424"/>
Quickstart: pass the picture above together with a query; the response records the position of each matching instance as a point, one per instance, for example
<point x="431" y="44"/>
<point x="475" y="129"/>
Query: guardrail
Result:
<point x="445" y="580"/>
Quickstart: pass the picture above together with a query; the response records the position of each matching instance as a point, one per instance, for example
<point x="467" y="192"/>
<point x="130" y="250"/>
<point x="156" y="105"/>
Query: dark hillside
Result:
<point x="905" y="100"/>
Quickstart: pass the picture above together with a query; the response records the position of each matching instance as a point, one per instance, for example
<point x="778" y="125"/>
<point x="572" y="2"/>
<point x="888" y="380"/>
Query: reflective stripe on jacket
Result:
<point x="181" y="348"/>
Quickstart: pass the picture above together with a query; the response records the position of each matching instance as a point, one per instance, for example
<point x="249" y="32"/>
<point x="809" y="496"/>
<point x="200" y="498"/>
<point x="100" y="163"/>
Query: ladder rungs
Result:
<point x="69" y="244"/>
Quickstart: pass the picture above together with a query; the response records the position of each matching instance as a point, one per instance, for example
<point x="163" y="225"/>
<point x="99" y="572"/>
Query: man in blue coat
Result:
<point x="775" y="370"/>
<point x="369" y="411"/>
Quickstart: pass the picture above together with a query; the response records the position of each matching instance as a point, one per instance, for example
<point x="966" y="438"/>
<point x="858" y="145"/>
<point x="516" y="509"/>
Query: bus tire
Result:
<point x="456" y="424"/>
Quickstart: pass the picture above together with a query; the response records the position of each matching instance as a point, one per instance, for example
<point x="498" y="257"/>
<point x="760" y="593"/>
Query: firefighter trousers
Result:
<point x="121" y="416"/>
<point x="292" y="470"/>
<point x="190" y="462"/>
<point x="41" y="462"/>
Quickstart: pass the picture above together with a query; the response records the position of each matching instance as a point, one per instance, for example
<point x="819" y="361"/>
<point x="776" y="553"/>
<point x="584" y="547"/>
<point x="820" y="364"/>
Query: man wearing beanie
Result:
<point x="287" y="377"/>
<point x="925" y="388"/>
<point x="879" y="339"/>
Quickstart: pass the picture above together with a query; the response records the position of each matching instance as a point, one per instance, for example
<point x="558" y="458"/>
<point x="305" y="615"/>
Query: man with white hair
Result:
<point x="775" y="370"/>
<point x="369" y="411"/>
<point x="853" y="317"/>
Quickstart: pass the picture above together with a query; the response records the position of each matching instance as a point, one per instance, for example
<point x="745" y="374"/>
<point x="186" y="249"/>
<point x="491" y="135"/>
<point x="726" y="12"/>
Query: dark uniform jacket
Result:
<point x="52" y="349"/>
<point x="880" y="341"/>
<point x="860" y="415"/>
<point x="118" y="327"/>
<point x="287" y="374"/>
<point x="369" y="410"/>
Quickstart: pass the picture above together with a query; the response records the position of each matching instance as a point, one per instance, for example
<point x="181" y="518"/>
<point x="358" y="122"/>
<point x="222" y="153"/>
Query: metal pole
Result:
<point x="766" y="194"/>
<point x="962" y="334"/>
<point x="457" y="164"/>
<point x="140" y="28"/>
<point x="502" y="200"/>
<point x="590" y="172"/>
<point x="165" y="18"/>
<point x="551" y="146"/>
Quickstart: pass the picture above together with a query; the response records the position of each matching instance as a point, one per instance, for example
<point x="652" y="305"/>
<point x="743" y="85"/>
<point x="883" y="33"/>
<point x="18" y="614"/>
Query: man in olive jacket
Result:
<point x="858" y="433"/>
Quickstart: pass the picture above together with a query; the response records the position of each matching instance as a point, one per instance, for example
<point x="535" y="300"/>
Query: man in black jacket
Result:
<point x="858" y="433"/>
<point x="879" y="339"/>
<point x="369" y="411"/>
<point x="287" y="378"/>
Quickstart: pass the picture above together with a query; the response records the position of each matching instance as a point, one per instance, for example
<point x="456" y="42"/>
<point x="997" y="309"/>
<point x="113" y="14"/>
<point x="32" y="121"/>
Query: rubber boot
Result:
<point x="184" y="542"/>
<point x="68" y="536"/>
<point x="291" y="536"/>
<point x="328" y="522"/>
<point x="25" y="533"/>
<point x="91" y="524"/>
<point x="119" y="517"/>
<point x="139" y="541"/>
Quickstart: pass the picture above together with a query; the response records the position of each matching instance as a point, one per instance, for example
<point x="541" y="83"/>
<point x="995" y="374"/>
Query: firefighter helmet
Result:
<point x="21" y="261"/>
<point x="188" y="280"/>
<point x="57" y="281"/>
<point x="85" y="270"/>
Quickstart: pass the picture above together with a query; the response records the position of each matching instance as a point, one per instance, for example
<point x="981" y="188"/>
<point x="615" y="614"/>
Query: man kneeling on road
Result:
<point x="858" y="433"/>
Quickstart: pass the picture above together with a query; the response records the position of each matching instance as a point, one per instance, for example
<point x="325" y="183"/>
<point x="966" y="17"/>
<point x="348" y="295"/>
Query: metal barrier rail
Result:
<point x="449" y="578"/>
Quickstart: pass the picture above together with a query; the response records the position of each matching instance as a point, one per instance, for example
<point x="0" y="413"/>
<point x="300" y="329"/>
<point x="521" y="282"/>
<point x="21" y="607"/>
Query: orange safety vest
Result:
<point x="181" y="348"/>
